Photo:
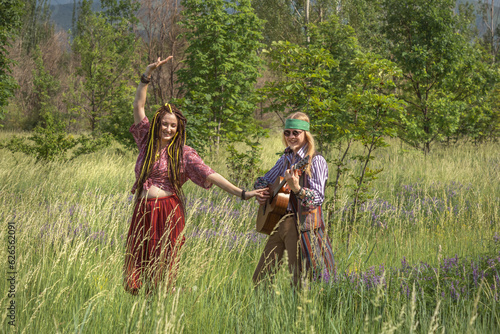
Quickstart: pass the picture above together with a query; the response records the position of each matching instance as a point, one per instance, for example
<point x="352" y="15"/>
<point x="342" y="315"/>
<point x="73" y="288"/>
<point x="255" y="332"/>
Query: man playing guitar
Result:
<point x="301" y="230"/>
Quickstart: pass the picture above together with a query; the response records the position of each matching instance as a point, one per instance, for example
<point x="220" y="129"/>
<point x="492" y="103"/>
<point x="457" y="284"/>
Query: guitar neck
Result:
<point x="298" y="166"/>
<point x="276" y="191"/>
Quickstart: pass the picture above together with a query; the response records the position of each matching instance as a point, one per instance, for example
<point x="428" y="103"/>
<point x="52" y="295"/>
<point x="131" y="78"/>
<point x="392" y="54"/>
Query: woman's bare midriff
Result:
<point x="155" y="192"/>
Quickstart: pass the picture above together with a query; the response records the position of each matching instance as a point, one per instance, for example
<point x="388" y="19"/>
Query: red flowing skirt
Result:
<point x="153" y="241"/>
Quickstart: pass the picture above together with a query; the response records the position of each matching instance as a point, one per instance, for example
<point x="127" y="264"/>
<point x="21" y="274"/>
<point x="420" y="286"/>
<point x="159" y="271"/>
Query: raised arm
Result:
<point x="142" y="88"/>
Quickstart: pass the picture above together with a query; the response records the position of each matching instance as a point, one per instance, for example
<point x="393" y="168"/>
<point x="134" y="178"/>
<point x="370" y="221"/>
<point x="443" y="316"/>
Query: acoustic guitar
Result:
<point x="271" y="212"/>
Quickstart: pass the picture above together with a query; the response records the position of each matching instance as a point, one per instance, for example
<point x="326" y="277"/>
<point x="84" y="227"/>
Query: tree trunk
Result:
<point x="306" y="21"/>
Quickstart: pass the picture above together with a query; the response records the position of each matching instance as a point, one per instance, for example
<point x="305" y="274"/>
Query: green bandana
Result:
<point x="296" y="124"/>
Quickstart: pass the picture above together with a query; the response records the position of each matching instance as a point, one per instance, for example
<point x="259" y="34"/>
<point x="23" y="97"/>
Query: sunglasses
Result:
<point x="295" y="133"/>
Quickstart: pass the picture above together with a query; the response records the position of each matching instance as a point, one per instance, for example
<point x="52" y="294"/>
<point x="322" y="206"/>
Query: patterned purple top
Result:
<point x="193" y="167"/>
<point x="315" y="193"/>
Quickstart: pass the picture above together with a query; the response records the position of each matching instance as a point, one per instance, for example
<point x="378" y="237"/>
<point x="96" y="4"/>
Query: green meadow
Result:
<point x="422" y="258"/>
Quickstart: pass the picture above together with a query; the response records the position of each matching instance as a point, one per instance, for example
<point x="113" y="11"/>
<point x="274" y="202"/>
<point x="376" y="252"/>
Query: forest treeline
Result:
<point x="418" y="70"/>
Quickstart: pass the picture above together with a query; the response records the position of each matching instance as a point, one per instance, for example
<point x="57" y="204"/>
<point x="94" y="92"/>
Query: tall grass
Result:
<point x="71" y="222"/>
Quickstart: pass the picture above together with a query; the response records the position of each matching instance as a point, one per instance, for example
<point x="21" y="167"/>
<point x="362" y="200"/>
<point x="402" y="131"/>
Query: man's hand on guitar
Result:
<point x="292" y="177"/>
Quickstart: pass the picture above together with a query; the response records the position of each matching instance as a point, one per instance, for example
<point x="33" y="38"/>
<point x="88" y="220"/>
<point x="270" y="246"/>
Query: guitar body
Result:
<point x="271" y="212"/>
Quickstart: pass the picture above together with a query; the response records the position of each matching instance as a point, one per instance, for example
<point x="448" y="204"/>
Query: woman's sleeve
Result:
<point x="196" y="170"/>
<point x="140" y="131"/>
<point x="315" y="193"/>
<point x="271" y="175"/>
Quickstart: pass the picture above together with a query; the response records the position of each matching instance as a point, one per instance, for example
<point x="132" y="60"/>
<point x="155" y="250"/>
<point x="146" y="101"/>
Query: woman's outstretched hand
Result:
<point x="263" y="196"/>
<point x="260" y="193"/>
<point x="151" y="67"/>
<point x="227" y="186"/>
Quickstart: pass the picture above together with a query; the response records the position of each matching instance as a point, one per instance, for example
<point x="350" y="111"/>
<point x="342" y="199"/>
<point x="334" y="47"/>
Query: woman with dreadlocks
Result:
<point x="164" y="164"/>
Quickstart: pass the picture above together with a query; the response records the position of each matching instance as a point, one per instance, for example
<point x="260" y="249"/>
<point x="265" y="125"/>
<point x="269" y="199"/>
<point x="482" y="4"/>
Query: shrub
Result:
<point x="51" y="142"/>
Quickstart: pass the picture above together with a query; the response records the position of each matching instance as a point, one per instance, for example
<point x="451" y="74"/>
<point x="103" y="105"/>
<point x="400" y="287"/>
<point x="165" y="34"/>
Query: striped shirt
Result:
<point x="315" y="192"/>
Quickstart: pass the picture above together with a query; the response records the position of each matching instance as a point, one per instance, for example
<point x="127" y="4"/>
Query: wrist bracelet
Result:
<point x="242" y="194"/>
<point x="145" y="79"/>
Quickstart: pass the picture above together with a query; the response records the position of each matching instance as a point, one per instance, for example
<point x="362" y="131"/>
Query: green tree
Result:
<point x="117" y="11"/>
<point x="348" y="94"/>
<point x="317" y="75"/>
<point x="222" y="66"/>
<point x="481" y="121"/>
<point x="45" y="87"/>
<point x="37" y="26"/>
<point x="10" y="22"/>
<point x="105" y="51"/>
<point x="443" y="76"/>
<point x="366" y="18"/>
<point x="288" y="20"/>
<point x="32" y="44"/>
<point x="281" y="22"/>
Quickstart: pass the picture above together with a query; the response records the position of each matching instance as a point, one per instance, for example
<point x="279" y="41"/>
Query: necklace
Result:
<point x="157" y="156"/>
